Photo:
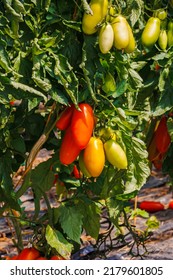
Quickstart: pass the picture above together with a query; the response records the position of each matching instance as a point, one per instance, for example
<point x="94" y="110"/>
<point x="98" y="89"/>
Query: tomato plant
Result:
<point x="61" y="82"/>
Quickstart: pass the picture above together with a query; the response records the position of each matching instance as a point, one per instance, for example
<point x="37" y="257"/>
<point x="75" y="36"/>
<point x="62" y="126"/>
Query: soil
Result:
<point x="158" y="246"/>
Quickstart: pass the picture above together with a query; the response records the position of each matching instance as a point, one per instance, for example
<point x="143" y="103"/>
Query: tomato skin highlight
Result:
<point x="163" y="139"/>
<point x="121" y="32"/>
<point x="106" y="38"/>
<point x="69" y="150"/>
<point x="90" y="22"/>
<point x="94" y="157"/>
<point x="115" y="154"/>
<point x="82" y="125"/>
<point x="29" y="254"/>
<point x="151" y="32"/>
<point x="65" y="118"/>
<point x="151" y="206"/>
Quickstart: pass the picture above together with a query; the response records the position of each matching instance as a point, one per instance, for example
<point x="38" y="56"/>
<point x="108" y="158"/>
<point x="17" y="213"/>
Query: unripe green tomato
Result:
<point x="109" y="85"/>
<point x="163" y="39"/>
<point x="170" y="33"/>
<point x="82" y="165"/>
<point x="132" y="43"/>
<point x="115" y="154"/>
<point x="106" y="38"/>
<point x="94" y="157"/>
<point x="90" y="22"/>
<point x="121" y="32"/>
<point x="151" y="32"/>
<point x="161" y="14"/>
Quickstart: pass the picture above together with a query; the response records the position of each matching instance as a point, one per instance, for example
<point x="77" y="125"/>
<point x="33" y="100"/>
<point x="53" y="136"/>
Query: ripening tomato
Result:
<point x="29" y="254"/>
<point x="170" y="33"/>
<point x="82" y="165"/>
<point x="115" y="154"/>
<point x="82" y="125"/>
<point x="121" y="32"/>
<point x="151" y="206"/>
<point x="69" y="150"/>
<point x="94" y="157"/>
<point x="90" y="22"/>
<point x="151" y="32"/>
<point x="163" y="39"/>
<point x="106" y="38"/>
<point x="65" y="118"/>
<point x="132" y="43"/>
<point x="163" y="138"/>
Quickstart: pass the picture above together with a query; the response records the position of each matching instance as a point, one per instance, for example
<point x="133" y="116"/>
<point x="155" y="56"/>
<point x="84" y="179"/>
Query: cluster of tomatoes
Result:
<point x="32" y="254"/>
<point x="77" y="141"/>
<point x="115" y="31"/>
<point x="158" y="30"/>
<point x="159" y="143"/>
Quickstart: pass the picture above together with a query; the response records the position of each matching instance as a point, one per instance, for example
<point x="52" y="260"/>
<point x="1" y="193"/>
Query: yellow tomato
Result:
<point x="132" y="43"/>
<point x="94" y="157"/>
<point x="121" y="32"/>
<point x="90" y="22"/>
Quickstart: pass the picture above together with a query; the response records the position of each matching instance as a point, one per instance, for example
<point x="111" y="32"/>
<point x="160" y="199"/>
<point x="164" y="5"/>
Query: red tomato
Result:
<point x="171" y="204"/>
<point x="65" y="118"/>
<point x="76" y="172"/>
<point x="151" y="206"/>
<point x="163" y="139"/>
<point x="82" y="125"/>
<point x="29" y="254"/>
<point x="69" y="150"/>
<point x="41" y="258"/>
<point x="57" y="258"/>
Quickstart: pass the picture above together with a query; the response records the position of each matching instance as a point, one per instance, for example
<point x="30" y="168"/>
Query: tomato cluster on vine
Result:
<point x="78" y="142"/>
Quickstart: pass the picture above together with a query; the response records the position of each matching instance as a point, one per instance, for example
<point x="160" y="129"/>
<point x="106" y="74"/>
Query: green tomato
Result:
<point x="161" y="14"/>
<point x="151" y="32"/>
<point x="163" y="39"/>
<point x="115" y="154"/>
<point x="170" y="33"/>
<point x="82" y="166"/>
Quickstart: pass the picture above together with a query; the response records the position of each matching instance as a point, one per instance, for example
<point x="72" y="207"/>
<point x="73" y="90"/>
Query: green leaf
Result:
<point x="134" y="10"/>
<point x="42" y="178"/>
<point x="71" y="221"/>
<point x="138" y="166"/>
<point x="56" y="240"/>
